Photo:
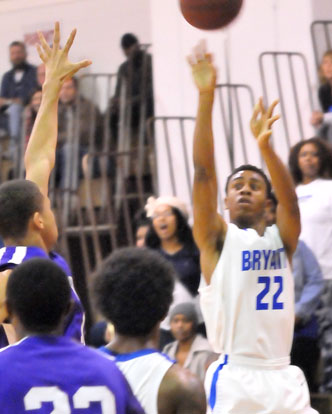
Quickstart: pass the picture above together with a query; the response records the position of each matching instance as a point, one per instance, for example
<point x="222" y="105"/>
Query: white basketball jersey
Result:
<point x="248" y="307"/>
<point x="144" y="371"/>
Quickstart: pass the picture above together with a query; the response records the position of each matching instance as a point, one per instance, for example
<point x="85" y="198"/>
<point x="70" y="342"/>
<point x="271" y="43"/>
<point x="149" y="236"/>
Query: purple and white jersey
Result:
<point x="49" y="374"/>
<point x="10" y="257"/>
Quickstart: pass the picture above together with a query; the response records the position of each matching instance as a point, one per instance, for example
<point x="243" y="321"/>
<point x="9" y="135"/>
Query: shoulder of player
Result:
<point x="182" y="390"/>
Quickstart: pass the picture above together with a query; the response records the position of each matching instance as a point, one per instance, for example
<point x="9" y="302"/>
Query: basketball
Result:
<point x="210" y="14"/>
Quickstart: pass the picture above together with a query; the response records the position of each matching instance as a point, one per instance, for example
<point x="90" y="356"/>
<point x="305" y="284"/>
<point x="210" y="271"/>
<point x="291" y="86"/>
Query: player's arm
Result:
<point x="288" y="215"/>
<point x="181" y="392"/>
<point x="40" y="154"/>
<point x="209" y="227"/>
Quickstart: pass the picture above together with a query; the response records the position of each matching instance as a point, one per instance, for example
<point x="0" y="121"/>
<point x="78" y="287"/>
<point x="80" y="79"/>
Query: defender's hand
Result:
<point x="57" y="65"/>
<point x="262" y="120"/>
<point x="203" y="70"/>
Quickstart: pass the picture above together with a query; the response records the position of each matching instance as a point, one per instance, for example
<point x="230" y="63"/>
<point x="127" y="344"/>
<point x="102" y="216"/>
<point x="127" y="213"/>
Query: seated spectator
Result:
<point x="309" y="286"/>
<point x="310" y="163"/>
<point x="134" y="290"/>
<point x="30" y="112"/>
<point x="45" y="370"/>
<point x="323" y="119"/>
<point x="80" y="130"/>
<point x="142" y="226"/>
<point x="16" y="88"/>
<point x="190" y="350"/>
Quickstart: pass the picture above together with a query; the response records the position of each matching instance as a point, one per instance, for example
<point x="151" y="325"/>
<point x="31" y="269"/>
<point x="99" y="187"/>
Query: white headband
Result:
<point x="152" y="203"/>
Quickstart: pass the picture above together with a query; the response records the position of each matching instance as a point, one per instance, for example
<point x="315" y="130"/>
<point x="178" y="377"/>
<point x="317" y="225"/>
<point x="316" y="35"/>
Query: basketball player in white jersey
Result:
<point x="27" y="223"/>
<point x="134" y="291"/>
<point x="248" y="303"/>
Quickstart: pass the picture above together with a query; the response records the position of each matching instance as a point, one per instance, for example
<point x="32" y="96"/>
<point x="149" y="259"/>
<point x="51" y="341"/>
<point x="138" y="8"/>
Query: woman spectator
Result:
<point x="191" y="350"/>
<point x="171" y="235"/>
<point x="310" y="163"/>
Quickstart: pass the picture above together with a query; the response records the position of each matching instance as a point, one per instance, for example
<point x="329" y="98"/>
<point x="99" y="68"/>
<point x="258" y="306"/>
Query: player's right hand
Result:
<point x="203" y="70"/>
<point x="57" y="65"/>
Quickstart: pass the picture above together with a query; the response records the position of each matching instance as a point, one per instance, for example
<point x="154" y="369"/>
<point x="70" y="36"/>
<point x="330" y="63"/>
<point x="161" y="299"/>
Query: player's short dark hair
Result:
<point x="127" y="40"/>
<point x="38" y="293"/>
<point x="324" y="154"/>
<point x="250" y="167"/>
<point x="183" y="232"/>
<point x="18" y="43"/>
<point x="134" y="290"/>
<point x="141" y="220"/>
<point x="19" y="200"/>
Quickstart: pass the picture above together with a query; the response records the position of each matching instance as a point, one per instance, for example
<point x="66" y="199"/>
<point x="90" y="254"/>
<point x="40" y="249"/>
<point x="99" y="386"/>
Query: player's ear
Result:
<point x="37" y="220"/>
<point x="70" y="308"/>
<point x="7" y="308"/>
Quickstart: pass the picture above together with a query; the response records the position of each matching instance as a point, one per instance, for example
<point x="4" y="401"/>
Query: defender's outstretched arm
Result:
<point x="40" y="154"/>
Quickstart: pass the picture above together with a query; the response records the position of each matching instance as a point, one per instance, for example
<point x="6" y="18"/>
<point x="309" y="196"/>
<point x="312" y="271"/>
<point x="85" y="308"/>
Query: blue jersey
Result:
<point x="13" y="256"/>
<point x="48" y="374"/>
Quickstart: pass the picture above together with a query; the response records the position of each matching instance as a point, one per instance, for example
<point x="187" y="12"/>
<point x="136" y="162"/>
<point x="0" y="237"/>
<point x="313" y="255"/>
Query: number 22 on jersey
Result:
<point x="269" y="284"/>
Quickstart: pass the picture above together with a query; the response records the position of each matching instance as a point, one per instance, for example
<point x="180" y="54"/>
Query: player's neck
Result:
<point x="28" y="240"/>
<point x="308" y="180"/>
<point x="259" y="225"/>
<point x="122" y="344"/>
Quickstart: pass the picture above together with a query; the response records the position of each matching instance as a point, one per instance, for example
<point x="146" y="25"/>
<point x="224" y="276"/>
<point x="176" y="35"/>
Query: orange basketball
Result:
<point x="210" y="14"/>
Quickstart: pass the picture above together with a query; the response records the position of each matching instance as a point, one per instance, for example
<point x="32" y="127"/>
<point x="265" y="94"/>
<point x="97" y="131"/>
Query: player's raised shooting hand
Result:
<point x="262" y="120"/>
<point x="57" y="65"/>
<point x="203" y="70"/>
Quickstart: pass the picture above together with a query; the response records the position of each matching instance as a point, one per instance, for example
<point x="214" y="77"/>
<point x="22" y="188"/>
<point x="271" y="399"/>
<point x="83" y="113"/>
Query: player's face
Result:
<point x="182" y="328"/>
<point x="140" y="235"/>
<point x="50" y="231"/>
<point x="164" y="222"/>
<point x="246" y="198"/>
<point x="326" y="67"/>
<point x="308" y="160"/>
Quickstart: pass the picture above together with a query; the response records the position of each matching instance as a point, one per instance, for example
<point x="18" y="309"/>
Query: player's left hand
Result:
<point x="57" y="66"/>
<point x="262" y="120"/>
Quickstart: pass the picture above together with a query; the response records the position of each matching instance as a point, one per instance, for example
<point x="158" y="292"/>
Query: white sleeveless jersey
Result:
<point x="248" y="307"/>
<point x="144" y="371"/>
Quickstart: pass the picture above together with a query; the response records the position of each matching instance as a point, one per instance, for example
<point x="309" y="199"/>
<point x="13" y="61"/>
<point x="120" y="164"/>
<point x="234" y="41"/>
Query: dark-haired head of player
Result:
<point x="26" y="218"/>
<point x="310" y="159"/>
<point x="134" y="290"/>
<point x="247" y="195"/>
<point x="38" y="298"/>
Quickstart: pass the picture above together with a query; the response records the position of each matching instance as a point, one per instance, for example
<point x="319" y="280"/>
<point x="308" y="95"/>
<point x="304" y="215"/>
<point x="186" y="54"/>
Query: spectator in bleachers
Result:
<point x="80" y="129"/>
<point x="30" y="112"/>
<point x="310" y="163"/>
<point x="171" y="235"/>
<point x="309" y="285"/>
<point x="41" y="74"/>
<point x="142" y="226"/>
<point x="190" y="349"/>
<point x="135" y="76"/>
<point x="323" y="119"/>
<point x="16" y="89"/>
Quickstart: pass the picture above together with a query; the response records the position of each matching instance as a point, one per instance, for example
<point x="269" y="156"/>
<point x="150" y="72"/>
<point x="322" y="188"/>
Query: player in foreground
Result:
<point x="134" y="291"/>
<point x="248" y="303"/>
<point x="46" y="370"/>
<point x="27" y="223"/>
